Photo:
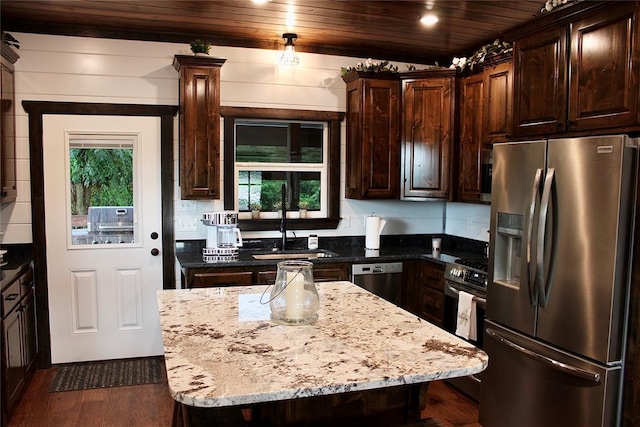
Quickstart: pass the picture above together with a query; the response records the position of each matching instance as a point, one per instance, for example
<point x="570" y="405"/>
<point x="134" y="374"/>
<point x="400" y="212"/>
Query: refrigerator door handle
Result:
<point x="562" y="367"/>
<point x="531" y="270"/>
<point x="542" y="229"/>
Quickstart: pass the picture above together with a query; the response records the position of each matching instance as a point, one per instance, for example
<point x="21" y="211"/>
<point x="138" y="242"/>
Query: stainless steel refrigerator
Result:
<point x="561" y="227"/>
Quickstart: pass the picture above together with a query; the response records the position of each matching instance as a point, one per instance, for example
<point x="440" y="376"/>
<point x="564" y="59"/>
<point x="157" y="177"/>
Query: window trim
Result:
<point x="333" y="119"/>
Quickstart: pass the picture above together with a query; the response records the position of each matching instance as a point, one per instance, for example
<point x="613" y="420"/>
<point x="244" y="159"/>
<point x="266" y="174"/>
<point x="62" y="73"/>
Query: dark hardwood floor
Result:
<point x="151" y="405"/>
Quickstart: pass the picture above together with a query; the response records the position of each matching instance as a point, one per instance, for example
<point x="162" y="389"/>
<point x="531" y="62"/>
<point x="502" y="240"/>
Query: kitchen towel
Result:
<point x="372" y="228"/>
<point x="466" y="326"/>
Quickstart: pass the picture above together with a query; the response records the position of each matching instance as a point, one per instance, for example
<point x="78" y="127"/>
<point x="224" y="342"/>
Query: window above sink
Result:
<point x="273" y="146"/>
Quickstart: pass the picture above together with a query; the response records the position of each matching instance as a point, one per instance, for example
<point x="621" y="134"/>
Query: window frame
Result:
<point x="105" y="141"/>
<point x="333" y="120"/>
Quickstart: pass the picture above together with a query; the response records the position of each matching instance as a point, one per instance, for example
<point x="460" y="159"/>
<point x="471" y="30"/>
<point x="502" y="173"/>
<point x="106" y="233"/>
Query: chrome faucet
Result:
<point x="283" y="220"/>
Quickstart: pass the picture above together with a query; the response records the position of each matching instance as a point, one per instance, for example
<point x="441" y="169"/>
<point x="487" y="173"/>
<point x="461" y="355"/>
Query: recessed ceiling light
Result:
<point x="429" y="19"/>
<point x="260" y="1"/>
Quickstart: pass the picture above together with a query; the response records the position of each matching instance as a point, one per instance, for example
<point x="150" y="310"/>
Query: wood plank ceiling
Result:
<point x="377" y="29"/>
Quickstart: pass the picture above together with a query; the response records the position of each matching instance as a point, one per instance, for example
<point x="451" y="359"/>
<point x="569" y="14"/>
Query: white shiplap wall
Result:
<point x="59" y="68"/>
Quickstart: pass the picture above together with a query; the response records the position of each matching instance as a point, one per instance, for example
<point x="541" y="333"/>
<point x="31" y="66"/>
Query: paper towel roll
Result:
<point x="372" y="228"/>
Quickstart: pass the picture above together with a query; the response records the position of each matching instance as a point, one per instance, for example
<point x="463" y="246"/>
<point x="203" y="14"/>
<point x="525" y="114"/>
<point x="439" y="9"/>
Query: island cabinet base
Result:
<point x="399" y="406"/>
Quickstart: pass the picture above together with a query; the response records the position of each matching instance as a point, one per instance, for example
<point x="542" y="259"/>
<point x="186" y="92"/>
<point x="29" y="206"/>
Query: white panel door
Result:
<point x="102" y="286"/>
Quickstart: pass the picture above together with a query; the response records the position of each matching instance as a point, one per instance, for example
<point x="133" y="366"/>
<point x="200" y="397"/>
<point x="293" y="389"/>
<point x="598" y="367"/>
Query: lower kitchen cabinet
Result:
<point x="321" y="273"/>
<point x="18" y="340"/>
<point x="424" y="290"/>
<point x="208" y="279"/>
<point x="432" y="292"/>
<point x="255" y="275"/>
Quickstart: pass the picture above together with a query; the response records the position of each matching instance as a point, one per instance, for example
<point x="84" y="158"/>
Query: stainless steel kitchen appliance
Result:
<point x="223" y="236"/>
<point x="383" y="279"/>
<point x="467" y="275"/>
<point x="559" y="274"/>
<point x="109" y="224"/>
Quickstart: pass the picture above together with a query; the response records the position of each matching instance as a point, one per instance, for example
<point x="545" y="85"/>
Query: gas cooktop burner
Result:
<point x="476" y="263"/>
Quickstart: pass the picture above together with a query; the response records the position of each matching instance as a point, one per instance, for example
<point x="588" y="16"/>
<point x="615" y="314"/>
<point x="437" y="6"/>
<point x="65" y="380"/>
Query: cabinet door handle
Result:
<point x="12" y="297"/>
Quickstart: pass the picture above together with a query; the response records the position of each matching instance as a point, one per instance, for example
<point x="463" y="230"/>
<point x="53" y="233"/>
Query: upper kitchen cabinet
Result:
<point x="471" y="137"/>
<point x="427" y="125"/>
<point x="373" y="135"/>
<point x="485" y="105"/>
<point x="577" y="70"/>
<point x="199" y="126"/>
<point x="8" y="191"/>
<point x="498" y="106"/>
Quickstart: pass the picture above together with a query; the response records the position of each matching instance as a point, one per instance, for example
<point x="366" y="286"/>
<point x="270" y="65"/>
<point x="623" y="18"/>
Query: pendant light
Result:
<point x="289" y="56"/>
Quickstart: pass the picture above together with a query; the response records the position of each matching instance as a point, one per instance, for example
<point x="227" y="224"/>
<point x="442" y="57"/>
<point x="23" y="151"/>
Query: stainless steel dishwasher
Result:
<point x="383" y="279"/>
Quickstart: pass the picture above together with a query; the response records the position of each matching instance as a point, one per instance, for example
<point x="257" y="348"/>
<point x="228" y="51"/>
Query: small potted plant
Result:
<point x="303" y="205"/>
<point x="255" y="210"/>
<point x="200" y="47"/>
<point x="277" y="206"/>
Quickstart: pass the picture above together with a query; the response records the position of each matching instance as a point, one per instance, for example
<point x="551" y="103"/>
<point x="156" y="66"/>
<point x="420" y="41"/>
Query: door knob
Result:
<point x="155" y="251"/>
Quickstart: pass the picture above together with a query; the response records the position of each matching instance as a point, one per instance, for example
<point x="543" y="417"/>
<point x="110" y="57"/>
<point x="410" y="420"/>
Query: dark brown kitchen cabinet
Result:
<point x="206" y="277"/>
<point x="8" y="190"/>
<point x="321" y="273"/>
<point x="210" y="279"/>
<point x="605" y="69"/>
<point x="423" y="293"/>
<point x="373" y="136"/>
<point x="471" y="137"/>
<point x="199" y="126"/>
<point x="432" y="293"/>
<point x="427" y="126"/>
<point x="18" y="339"/>
<point x="578" y="70"/>
<point x="540" y="93"/>
<point x="485" y="107"/>
<point x="498" y="100"/>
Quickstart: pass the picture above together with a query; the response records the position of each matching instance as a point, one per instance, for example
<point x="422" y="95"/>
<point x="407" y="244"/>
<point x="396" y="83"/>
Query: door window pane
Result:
<point x="101" y="192"/>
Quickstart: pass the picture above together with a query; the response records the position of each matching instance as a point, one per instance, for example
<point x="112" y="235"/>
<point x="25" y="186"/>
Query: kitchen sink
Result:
<point x="293" y="255"/>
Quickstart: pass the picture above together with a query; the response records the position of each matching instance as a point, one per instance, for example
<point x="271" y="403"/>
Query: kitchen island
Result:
<point x="364" y="359"/>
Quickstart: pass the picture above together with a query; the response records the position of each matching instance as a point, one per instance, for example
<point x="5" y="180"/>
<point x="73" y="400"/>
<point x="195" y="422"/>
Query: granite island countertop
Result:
<point x="222" y="349"/>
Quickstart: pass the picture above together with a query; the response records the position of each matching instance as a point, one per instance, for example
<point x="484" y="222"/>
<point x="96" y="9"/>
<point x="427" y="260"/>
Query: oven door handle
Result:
<point x="477" y="299"/>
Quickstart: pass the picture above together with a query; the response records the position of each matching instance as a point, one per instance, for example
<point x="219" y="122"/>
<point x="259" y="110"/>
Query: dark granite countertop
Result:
<point x="342" y="249"/>
<point x="18" y="257"/>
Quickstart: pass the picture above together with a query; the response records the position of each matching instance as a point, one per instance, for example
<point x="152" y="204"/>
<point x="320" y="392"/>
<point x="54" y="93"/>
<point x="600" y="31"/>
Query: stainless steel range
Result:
<point x="467" y="275"/>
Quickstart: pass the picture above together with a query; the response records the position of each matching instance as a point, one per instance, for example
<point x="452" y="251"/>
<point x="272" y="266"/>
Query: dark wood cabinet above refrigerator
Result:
<point x="578" y="70"/>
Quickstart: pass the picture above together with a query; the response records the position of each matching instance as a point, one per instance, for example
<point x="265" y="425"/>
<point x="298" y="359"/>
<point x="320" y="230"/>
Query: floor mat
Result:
<point x="111" y="373"/>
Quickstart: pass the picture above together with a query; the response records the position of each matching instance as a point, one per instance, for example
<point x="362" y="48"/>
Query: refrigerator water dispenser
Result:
<point x="508" y="249"/>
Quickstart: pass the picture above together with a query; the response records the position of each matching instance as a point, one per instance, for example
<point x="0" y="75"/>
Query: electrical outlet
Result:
<point x="186" y="206"/>
<point x="346" y="221"/>
<point x="188" y="224"/>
